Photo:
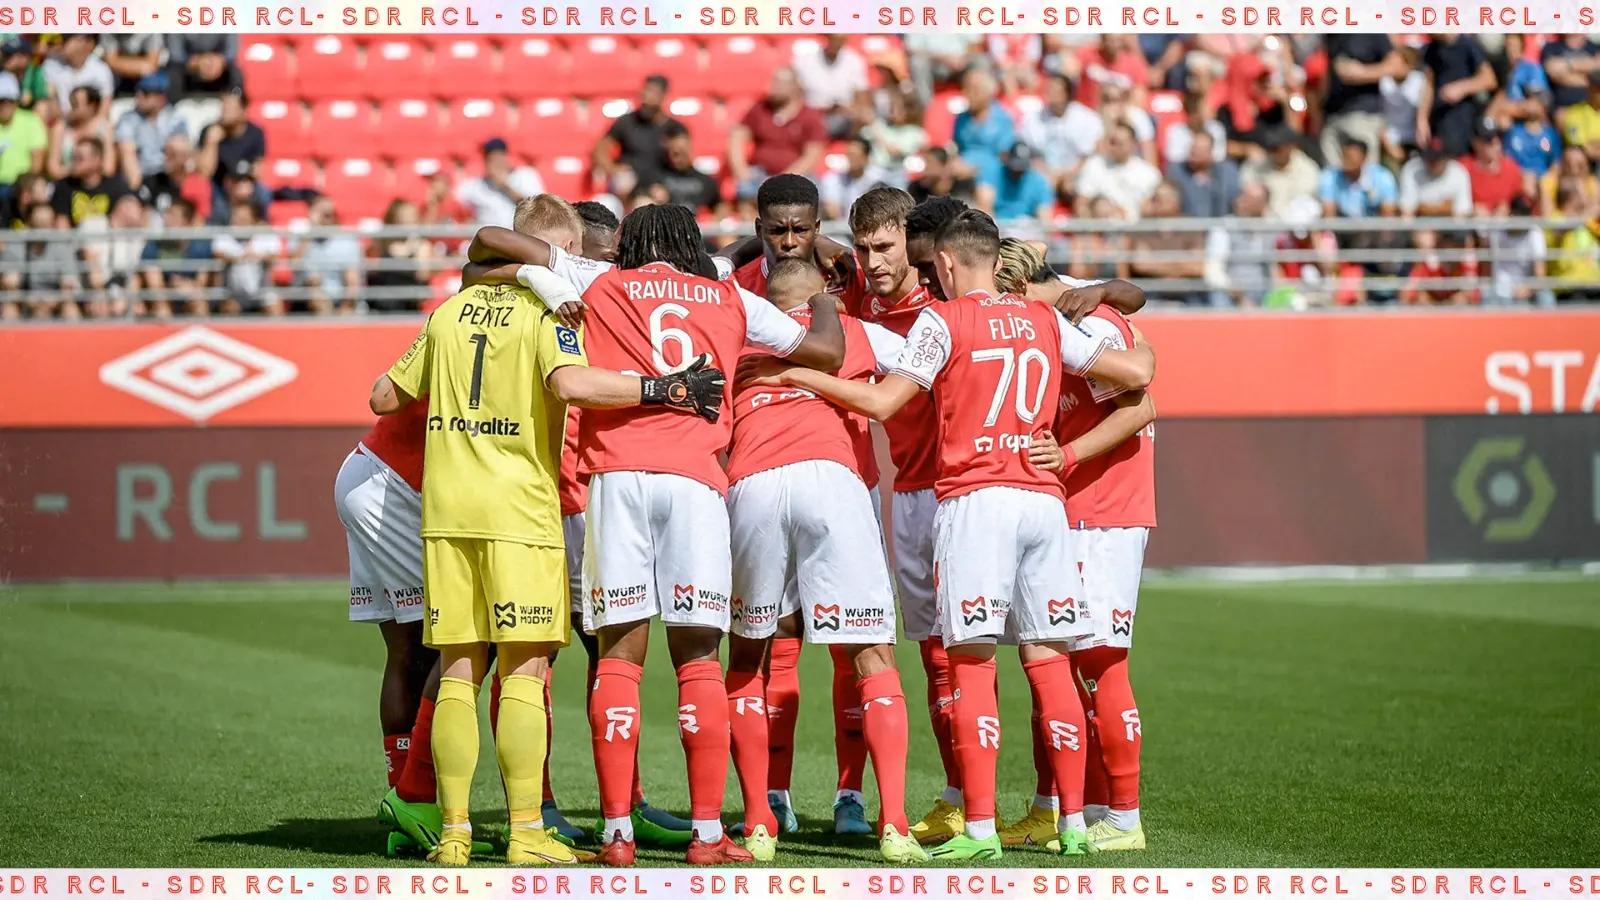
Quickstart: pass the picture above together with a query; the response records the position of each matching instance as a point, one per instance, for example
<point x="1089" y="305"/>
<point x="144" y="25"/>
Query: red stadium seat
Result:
<point x="361" y="188"/>
<point x="682" y="61"/>
<point x="605" y="66"/>
<point x="341" y="128"/>
<point x="566" y="177"/>
<point x="283" y="172"/>
<point x="411" y="176"/>
<point x="707" y="123"/>
<point x="404" y="122"/>
<point x="396" y="67"/>
<point x="940" y="117"/>
<point x="328" y="66"/>
<point x="465" y="67"/>
<point x="533" y="66"/>
<point x="742" y="65"/>
<point x="288" y="214"/>
<point x="1166" y="109"/>
<point x="284" y="125"/>
<point x="268" y="68"/>
<point x="471" y="122"/>
<point x="555" y="127"/>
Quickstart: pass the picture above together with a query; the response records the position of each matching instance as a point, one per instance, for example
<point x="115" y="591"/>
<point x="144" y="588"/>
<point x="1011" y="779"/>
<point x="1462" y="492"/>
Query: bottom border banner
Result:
<point x="846" y="884"/>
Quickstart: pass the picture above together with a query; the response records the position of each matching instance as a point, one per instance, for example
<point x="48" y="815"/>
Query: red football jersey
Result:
<point x="396" y="441"/>
<point x="993" y="364"/>
<point x="776" y="426"/>
<point x="914" y="431"/>
<point x="752" y="276"/>
<point x="649" y="321"/>
<point x="573" y="492"/>
<point x="1116" y="489"/>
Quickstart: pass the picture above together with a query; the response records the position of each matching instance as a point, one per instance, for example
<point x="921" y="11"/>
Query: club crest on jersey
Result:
<point x="1122" y="622"/>
<point x="1061" y="612"/>
<point x="682" y="597"/>
<point x="505" y="614"/>
<point x="567" y="340"/>
<point x="825" y="618"/>
<point x="975" y="610"/>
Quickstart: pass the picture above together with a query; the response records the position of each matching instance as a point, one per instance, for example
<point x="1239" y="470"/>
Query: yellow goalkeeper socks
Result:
<point x="522" y="746"/>
<point x="455" y="747"/>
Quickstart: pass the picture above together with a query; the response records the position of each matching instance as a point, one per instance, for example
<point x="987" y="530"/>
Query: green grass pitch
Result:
<point x="1443" y="723"/>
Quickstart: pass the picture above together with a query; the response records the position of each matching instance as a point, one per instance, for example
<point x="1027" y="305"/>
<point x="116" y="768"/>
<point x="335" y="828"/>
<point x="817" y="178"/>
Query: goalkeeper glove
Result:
<point x="697" y="387"/>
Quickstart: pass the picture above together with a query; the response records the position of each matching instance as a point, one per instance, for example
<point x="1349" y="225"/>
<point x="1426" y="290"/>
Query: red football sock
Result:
<point x="1045" y="779"/>
<point x="636" y="794"/>
<point x="783" y="708"/>
<point x="1117" y="720"/>
<point x="975" y="727"/>
<point x="395" y="747"/>
<point x="886" y="731"/>
<point x="936" y="663"/>
<point x="549" y="735"/>
<point x="747" y="731"/>
<point x="416" y="783"/>
<point x="703" y="728"/>
<point x="614" y="723"/>
<point x="1061" y="726"/>
<point x="494" y="705"/>
<point x="849" y="746"/>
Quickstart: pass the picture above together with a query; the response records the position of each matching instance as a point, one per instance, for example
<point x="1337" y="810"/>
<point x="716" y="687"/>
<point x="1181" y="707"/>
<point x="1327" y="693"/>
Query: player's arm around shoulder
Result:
<point x="1088" y="350"/>
<point x="406" y="380"/>
<point x="822" y="347"/>
<point x="698" y="388"/>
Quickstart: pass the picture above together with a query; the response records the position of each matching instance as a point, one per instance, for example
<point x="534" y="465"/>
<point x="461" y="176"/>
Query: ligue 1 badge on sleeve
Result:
<point x="844" y="276"/>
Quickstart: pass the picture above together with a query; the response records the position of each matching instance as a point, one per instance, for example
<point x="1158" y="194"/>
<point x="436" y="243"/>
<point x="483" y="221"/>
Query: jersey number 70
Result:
<point x="1014" y="366"/>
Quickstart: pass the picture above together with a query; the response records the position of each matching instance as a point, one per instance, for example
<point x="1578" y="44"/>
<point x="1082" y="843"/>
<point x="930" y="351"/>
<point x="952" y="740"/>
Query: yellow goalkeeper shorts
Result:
<point x="483" y="591"/>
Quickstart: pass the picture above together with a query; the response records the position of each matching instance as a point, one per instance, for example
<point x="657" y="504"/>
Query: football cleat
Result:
<point x="453" y="849"/>
<point x="420" y="822"/>
<point x="1074" y="842"/>
<point x="649" y="830"/>
<point x="942" y="823"/>
<point x="617" y="852"/>
<point x="787" y="823"/>
<point x="566" y="832"/>
<point x="1104" y="836"/>
<point x="1036" y="829"/>
<point x="900" y="849"/>
<point x="849" y="817"/>
<point x="761" y="845"/>
<point x="716" y="853"/>
<point x="658" y="816"/>
<point x="539" y="847"/>
<point x="966" y="847"/>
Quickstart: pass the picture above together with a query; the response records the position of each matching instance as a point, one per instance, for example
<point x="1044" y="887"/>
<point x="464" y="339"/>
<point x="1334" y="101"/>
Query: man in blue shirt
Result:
<point x="1021" y="191"/>
<point x="1355" y="188"/>
<point x="984" y="130"/>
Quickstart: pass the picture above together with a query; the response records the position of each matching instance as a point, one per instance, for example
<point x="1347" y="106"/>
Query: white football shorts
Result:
<point x="572" y="537"/>
<point x="1112" y="562"/>
<point x="912" y="538"/>
<point x="382" y="519"/>
<point x="805" y="539"/>
<point x="655" y="544"/>
<point x="1005" y="553"/>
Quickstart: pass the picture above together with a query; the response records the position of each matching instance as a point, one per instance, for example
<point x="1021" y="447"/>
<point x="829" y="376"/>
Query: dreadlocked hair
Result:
<point x="930" y="216"/>
<point x="662" y="233"/>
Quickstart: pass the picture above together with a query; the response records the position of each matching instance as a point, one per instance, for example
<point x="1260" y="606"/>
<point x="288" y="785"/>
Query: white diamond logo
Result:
<point x="198" y="373"/>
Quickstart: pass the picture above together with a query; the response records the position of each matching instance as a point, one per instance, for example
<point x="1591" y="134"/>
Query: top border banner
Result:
<point x="765" y="16"/>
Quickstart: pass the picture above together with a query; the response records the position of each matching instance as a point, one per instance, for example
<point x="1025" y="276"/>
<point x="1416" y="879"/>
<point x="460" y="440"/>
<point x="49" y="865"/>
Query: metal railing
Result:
<point x="107" y="266"/>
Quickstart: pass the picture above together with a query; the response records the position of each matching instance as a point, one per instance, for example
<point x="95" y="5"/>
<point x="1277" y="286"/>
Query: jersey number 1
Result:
<point x="482" y="340"/>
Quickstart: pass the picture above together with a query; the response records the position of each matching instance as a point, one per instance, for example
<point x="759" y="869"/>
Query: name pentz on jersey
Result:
<point x="496" y="316"/>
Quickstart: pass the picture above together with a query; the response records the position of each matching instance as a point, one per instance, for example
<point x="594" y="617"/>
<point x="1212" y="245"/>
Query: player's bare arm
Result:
<point x="823" y="346"/>
<point x="489" y="273"/>
<point x="386" y="397"/>
<point x="495" y="243"/>
<point x="1123" y="296"/>
<point x="1130" y="370"/>
<point x="1135" y="411"/>
<point x="1045" y="452"/>
<point x="514" y="258"/>
<point x="876" y="400"/>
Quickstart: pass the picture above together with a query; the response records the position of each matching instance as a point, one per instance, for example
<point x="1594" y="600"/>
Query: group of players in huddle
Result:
<point x="721" y="477"/>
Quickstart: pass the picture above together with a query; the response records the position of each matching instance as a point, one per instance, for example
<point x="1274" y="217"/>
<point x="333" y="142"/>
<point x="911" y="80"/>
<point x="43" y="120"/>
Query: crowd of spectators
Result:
<point x="139" y="132"/>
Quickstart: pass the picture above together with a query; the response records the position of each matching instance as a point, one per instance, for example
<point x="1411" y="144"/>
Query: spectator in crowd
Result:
<point x="1580" y="122"/>
<point x="87" y="192"/>
<point x="17" y="58"/>
<point x="840" y="188"/>
<point x="1115" y="59"/>
<point x="143" y="131"/>
<point x="47" y="271"/>
<point x="1094" y="255"/>
<point x="1117" y="109"/>
<point x="1167" y="56"/>
<point x="1578" y="264"/>
<point x="678" y="181"/>
<point x="1197" y="119"/>
<point x="1402" y="97"/>
<point x="1251" y="104"/>
<point x="232" y="139"/>
<point x="1573" y="170"/>
<point x="179" y="177"/>
<point x="399" y="269"/>
<point x="1118" y="174"/>
<point x="177" y="269"/>
<point x="1359" y="188"/>
<point x="1519" y="256"/>
<point x="632" y="147"/>
<point x="1457" y="73"/>
<point x="1495" y="178"/>
<point x="1531" y="141"/>
<point x="330" y="264"/>
<point x="22" y="136"/>
<point x="1151" y="249"/>
<point x="1016" y="59"/>
<point x="84" y="119"/>
<point x="247" y="262"/>
<point x="131" y="57"/>
<point x="1207" y="185"/>
<point x="898" y="135"/>
<point x="238" y="187"/>
<point x="833" y="78"/>
<point x="1353" y="103"/>
<point x="30" y="190"/>
<point x="1433" y="184"/>
<point x="943" y="176"/>
<point x="1438" y="278"/>
<point x="1568" y="61"/>
<point x="936" y="58"/>
<point x="75" y="65"/>
<point x="1063" y="131"/>
<point x="111" y="264"/>
<point x="779" y="134"/>
<point x="1238" y="260"/>
<point x="491" y="198"/>
<point x="984" y="130"/>
<point x="1021" y="191"/>
<point x="439" y="206"/>
<point x="203" y="63"/>
<point x="1292" y="180"/>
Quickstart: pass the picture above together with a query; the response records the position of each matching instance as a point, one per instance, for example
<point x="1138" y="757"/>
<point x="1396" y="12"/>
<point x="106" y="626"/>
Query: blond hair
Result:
<point x="548" y="217"/>
<point x="1019" y="260"/>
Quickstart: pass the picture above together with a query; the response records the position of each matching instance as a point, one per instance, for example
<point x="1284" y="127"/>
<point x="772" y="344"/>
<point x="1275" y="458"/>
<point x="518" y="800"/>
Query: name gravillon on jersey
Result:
<point x="666" y="289"/>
